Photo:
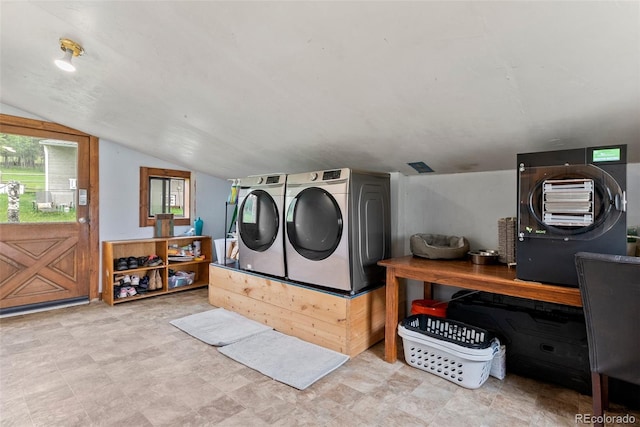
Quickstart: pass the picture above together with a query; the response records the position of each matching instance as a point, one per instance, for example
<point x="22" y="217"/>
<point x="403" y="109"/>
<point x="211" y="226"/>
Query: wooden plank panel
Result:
<point x="107" y="262"/>
<point x="137" y="249"/>
<point x="347" y="325"/>
<point x="328" y="335"/>
<point x="319" y="305"/>
<point x="366" y="320"/>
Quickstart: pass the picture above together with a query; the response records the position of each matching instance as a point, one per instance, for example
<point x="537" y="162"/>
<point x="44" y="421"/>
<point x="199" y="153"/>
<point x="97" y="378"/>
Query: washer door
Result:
<point x="258" y="221"/>
<point x="314" y="223"/>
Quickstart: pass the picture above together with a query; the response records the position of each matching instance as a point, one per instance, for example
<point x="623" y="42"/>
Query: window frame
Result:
<point x="148" y="172"/>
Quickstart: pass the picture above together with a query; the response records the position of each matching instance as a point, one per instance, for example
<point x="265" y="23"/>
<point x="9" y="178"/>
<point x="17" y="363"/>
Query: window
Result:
<point x="164" y="191"/>
<point x="35" y="172"/>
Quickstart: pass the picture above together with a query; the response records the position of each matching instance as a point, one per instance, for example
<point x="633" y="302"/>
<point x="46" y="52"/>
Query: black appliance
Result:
<point x="544" y="341"/>
<point x="569" y="201"/>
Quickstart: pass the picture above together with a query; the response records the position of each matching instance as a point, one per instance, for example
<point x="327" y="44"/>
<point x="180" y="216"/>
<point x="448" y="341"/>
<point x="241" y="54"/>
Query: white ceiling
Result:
<point x="240" y="88"/>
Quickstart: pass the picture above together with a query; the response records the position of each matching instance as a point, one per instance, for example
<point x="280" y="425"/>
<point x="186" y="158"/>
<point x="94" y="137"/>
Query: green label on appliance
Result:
<point x="606" y="155"/>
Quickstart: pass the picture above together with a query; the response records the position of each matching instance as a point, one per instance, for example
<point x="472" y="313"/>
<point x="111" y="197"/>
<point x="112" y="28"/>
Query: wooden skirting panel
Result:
<point x="348" y="325"/>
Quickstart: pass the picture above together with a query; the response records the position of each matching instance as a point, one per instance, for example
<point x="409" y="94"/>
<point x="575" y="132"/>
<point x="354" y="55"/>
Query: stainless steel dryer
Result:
<point x="338" y="227"/>
<point x="260" y="216"/>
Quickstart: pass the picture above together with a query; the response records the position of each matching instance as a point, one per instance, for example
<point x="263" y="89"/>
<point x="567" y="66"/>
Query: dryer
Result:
<point x="260" y="218"/>
<point x="337" y="228"/>
<point x="569" y="201"/>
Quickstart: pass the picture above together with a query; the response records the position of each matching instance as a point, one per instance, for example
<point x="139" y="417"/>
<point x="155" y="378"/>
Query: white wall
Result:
<point x="120" y="195"/>
<point x="469" y="205"/>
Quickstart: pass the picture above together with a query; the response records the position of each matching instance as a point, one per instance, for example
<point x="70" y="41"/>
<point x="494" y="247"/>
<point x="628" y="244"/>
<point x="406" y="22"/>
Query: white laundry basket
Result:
<point x="450" y="349"/>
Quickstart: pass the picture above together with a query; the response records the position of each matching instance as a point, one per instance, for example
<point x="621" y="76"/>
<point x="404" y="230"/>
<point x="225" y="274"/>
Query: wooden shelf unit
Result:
<point x="112" y="250"/>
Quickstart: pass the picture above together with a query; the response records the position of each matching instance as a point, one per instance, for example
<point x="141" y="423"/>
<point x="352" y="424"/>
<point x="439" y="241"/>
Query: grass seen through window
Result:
<point x="33" y="180"/>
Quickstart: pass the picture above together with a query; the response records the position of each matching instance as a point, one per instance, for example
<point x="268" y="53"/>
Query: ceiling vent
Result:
<point x="420" y="167"/>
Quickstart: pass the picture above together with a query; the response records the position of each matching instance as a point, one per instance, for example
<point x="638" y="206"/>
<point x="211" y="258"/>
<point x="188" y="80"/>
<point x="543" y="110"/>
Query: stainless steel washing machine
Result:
<point x="260" y="219"/>
<point x="338" y="227"/>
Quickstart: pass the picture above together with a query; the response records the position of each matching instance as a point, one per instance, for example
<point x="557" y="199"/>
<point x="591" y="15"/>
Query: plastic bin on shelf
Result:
<point x="181" y="278"/>
<point x="452" y="350"/>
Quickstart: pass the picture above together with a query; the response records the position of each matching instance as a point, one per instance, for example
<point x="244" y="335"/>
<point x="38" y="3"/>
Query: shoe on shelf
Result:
<point x="144" y="283"/>
<point x="135" y="280"/>
<point x="126" y="280"/>
<point x="132" y="262"/>
<point x="131" y="291"/>
<point x="152" y="280"/>
<point x="123" y="292"/>
<point x="158" y="280"/>
<point x="153" y="261"/>
<point x="121" y="264"/>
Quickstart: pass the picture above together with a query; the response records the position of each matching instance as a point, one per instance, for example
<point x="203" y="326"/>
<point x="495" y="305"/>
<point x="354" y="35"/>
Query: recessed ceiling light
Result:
<point x="70" y="49"/>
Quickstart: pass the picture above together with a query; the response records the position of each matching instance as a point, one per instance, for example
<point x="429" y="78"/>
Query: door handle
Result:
<point x="620" y="201"/>
<point x="82" y="220"/>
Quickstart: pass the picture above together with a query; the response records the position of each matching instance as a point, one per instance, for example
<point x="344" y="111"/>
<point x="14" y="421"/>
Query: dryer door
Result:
<point x="572" y="202"/>
<point x="258" y="221"/>
<point x="314" y="223"/>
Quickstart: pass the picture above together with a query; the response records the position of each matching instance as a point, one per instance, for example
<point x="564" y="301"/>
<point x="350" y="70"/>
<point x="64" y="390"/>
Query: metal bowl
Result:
<point x="484" y="256"/>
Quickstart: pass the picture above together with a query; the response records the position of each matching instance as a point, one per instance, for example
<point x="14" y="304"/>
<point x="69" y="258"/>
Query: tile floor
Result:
<point x="96" y="365"/>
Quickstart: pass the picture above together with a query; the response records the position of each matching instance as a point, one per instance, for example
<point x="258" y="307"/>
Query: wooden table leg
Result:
<point x="428" y="290"/>
<point x="391" y="319"/>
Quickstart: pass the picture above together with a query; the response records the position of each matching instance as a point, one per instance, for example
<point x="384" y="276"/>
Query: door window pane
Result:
<point x="38" y="179"/>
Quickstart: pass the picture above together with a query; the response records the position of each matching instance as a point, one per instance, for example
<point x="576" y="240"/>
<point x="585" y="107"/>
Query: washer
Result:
<point x="337" y="228"/>
<point x="260" y="218"/>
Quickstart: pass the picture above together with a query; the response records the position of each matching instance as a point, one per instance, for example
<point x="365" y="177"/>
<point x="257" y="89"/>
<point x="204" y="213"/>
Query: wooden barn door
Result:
<point x="50" y="257"/>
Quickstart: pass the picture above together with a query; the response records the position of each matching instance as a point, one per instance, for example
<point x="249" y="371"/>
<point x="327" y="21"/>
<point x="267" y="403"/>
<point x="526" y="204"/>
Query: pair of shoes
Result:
<point x="121" y="264"/>
<point x="127" y="291"/>
<point x="155" y="280"/>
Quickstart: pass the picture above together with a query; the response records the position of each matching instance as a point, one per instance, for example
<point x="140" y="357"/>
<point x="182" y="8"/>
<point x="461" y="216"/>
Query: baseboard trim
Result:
<point x="42" y="306"/>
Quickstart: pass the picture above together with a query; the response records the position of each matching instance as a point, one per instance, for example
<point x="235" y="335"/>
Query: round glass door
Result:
<point x="314" y="224"/>
<point x="258" y="221"/>
<point x="581" y="201"/>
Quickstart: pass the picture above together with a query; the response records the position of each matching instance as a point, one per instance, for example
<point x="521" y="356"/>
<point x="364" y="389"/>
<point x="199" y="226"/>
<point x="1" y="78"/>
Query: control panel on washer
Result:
<point x="327" y="175"/>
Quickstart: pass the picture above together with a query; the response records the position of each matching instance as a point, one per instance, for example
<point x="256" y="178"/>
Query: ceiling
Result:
<point x="239" y="88"/>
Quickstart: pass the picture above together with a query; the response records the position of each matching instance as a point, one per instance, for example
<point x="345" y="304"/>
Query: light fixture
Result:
<point x="70" y="49"/>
